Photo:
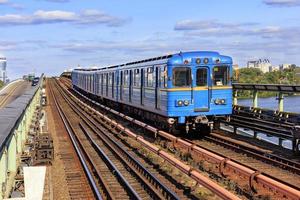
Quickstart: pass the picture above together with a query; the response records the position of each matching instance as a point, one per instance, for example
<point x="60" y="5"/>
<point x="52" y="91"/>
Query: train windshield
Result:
<point x="182" y="76"/>
<point x="221" y="75"/>
<point x="201" y="77"/>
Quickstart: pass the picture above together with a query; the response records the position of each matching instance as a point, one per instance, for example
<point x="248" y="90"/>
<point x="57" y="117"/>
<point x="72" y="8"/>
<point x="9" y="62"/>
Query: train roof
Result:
<point x="162" y="58"/>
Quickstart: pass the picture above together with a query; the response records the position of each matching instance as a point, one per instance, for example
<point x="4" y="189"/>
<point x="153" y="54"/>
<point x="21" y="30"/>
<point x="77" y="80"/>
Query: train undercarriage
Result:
<point x="200" y="125"/>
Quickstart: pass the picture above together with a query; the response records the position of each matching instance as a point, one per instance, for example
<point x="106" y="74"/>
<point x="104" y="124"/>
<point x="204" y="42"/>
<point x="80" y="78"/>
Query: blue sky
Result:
<point x="52" y="35"/>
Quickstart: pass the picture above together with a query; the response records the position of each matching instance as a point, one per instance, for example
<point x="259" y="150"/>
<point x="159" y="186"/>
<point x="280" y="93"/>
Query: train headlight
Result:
<point x="186" y="102"/>
<point x="220" y="101"/>
<point x="205" y="60"/>
<point x="180" y="103"/>
<point x="198" y="61"/>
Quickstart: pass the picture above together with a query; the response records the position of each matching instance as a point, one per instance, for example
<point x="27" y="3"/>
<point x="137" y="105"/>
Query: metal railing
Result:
<point x="279" y="88"/>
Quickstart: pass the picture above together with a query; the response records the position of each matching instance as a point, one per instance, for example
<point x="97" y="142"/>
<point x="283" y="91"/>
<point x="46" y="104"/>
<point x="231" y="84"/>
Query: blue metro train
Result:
<point x="179" y="91"/>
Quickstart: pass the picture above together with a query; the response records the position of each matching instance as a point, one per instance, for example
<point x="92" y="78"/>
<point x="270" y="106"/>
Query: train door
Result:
<point x="106" y="82"/>
<point x="101" y="84"/>
<point x="130" y="86"/>
<point x="121" y="84"/>
<point x="142" y="86"/>
<point x="113" y="84"/>
<point x="157" y="87"/>
<point x="200" y="90"/>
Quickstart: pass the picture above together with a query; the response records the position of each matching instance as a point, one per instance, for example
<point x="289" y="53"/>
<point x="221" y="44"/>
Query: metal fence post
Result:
<point x="255" y="98"/>
<point x="280" y="101"/>
<point x="235" y="100"/>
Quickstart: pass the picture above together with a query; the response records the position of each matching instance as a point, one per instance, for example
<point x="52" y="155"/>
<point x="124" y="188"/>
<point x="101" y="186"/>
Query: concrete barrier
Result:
<point x="15" y="120"/>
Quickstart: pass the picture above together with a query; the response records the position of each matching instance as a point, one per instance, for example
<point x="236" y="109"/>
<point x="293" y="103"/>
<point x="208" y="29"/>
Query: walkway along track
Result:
<point x="140" y="183"/>
<point x="257" y="181"/>
<point x="4" y="99"/>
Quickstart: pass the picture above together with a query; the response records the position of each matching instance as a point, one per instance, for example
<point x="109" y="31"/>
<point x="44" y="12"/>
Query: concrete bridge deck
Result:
<point x="12" y="91"/>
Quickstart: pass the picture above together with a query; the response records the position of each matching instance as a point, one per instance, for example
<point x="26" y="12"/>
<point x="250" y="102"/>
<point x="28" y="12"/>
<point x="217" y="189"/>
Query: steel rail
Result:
<point x="196" y="175"/>
<point x="262" y="155"/>
<point x="168" y="194"/>
<point x="262" y="125"/>
<point x="114" y="168"/>
<point x="77" y="149"/>
<point x="260" y="179"/>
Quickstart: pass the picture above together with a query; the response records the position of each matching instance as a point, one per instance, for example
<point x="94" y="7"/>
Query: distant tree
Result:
<point x="252" y="75"/>
<point x="293" y="66"/>
<point x="1" y="84"/>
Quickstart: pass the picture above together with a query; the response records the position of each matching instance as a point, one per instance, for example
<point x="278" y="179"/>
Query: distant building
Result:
<point x="274" y="68"/>
<point x="3" y="75"/>
<point x="284" y="66"/>
<point x="263" y="64"/>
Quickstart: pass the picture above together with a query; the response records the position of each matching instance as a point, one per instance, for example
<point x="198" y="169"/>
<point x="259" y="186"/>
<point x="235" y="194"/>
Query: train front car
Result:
<point x="199" y="89"/>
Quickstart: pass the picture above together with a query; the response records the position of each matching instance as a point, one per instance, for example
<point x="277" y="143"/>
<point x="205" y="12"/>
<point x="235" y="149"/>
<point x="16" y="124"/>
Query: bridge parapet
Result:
<point x="279" y="88"/>
<point x="15" y="121"/>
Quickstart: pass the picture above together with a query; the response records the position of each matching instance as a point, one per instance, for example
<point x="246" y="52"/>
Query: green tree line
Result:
<point x="253" y="75"/>
<point x="1" y="84"/>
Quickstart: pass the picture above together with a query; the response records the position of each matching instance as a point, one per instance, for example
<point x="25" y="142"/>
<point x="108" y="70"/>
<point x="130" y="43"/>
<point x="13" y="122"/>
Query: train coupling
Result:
<point x="202" y="119"/>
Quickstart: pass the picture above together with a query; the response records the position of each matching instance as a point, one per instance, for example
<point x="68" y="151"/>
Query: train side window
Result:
<point x="121" y="78"/>
<point x="220" y="75"/>
<point x="201" y="77"/>
<point x="110" y="79"/>
<point x="136" y="78"/>
<point x="182" y="76"/>
<point x="104" y="79"/>
<point x="126" y="78"/>
<point x="163" y="77"/>
<point x="150" y="77"/>
<point x="99" y="83"/>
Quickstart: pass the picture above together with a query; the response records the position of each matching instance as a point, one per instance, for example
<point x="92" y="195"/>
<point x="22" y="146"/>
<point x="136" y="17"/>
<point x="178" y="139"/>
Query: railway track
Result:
<point x="251" y="174"/>
<point x="262" y="155"/>
<point x="132" y="180"/>
<point x="76" y="169"/>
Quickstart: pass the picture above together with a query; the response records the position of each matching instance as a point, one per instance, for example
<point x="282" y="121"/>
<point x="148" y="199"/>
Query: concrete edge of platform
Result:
<point x="34" y="181"/>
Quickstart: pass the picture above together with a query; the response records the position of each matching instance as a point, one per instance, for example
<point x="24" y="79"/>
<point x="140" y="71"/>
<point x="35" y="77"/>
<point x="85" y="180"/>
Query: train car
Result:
<point x="183" y="91"/>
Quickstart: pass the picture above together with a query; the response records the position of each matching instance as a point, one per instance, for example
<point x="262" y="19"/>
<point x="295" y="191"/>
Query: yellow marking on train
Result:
<point x="196" y="88"/>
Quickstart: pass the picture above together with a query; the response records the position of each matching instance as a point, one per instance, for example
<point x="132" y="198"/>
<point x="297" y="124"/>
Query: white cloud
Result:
<point x="282" y="3"/>
<point x="58" y="16"/>
<point x="207" y="24"/>
<point x="3" y="1"/>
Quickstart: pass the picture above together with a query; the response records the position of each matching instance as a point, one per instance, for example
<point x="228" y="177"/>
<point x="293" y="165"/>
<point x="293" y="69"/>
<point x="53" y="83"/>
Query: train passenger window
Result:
<point x="150" y="77"/>
<point x="110" y="79"/>
<point x="163" y="76"/>
<point x="136" y="78"/>
<point x="126" y="78"/>
<point x="182" y="76"/>
<point x="221" y="75"/>
<point x="201" y="77"/>
<point x="104" y="79"/>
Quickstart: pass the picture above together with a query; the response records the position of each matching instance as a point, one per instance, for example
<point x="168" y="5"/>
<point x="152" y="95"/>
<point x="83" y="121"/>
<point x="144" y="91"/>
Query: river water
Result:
<point x="291" y="104"/>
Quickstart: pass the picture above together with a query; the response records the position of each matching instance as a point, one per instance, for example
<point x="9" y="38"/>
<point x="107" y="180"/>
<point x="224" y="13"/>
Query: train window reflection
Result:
<point x="182" y="76"/>
<point x="201" y="77"/>
<point x="221" y="75"/>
